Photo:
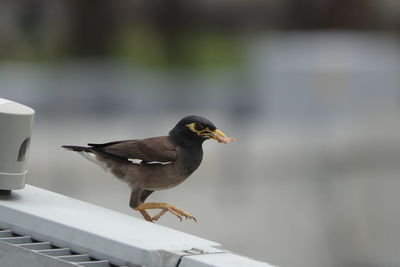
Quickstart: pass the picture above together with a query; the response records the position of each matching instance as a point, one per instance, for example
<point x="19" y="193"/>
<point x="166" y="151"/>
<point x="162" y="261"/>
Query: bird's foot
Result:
<point x="164" y="208"/>
<point x="177" y="212"/>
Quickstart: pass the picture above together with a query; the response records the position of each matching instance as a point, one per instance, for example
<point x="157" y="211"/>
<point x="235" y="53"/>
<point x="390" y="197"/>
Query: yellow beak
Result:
<point x="216" y="133"/>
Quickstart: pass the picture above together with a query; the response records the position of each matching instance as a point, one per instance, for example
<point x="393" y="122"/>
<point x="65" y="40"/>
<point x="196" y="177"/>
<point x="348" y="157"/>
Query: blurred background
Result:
<point x="310" y="88"/>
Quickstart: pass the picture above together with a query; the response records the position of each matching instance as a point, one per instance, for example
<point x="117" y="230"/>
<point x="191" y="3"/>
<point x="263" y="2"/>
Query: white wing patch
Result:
<point x="139" y="162"/>
<point x="136" y="161"/>
<point x="92" y="157"/>
<point x="159" y="162"/>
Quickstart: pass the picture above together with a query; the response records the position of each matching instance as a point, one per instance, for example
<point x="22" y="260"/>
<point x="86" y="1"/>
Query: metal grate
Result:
<point x="49" y="250"/>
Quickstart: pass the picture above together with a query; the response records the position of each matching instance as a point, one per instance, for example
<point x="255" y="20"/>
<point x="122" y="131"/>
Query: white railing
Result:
<point x="41" y="228"/>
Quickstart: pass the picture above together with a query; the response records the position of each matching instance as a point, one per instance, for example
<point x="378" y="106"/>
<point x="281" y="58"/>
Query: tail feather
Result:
<point x="78" y="148"/>
<point x="105" y="144"/>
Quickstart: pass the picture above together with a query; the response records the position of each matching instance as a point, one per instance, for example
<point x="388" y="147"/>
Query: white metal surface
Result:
<point x="17" y="250"/>
<point x="105" y="234"/>
<point x="14" y="256"/>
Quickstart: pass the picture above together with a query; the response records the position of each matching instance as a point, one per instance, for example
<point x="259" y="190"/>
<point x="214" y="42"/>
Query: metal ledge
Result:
<point x="45" y="227"/>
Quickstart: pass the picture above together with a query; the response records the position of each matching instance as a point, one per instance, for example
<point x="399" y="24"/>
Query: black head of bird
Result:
<point x="194" y="130"/>
<point x="156" y="163"/>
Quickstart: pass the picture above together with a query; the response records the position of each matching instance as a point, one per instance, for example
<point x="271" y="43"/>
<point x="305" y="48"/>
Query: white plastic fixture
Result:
<point x="15" y="135"/>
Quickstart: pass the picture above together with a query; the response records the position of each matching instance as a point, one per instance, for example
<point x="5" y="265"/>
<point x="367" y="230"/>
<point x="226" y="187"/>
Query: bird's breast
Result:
<point x="189" y="159"/>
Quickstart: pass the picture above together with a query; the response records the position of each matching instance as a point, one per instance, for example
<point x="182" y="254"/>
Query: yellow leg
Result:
<point x="164" y="208"/>
<point x="158" y="216"/>
<point x="146" y="215"/>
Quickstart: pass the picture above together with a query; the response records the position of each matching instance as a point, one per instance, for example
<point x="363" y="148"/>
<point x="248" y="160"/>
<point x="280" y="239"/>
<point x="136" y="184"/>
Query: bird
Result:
<point x="156" y="163"/>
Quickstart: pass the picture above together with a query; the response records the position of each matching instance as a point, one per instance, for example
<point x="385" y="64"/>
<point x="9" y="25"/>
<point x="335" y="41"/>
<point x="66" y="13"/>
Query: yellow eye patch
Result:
<point x="197" y="128"/>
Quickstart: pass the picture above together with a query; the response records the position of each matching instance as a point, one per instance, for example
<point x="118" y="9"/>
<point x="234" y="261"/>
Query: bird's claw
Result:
<point x="180" y="213"/>
<point x="177" y="212"/>
<point x="164" y="208"/>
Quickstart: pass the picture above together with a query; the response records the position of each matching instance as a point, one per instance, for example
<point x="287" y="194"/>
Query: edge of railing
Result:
<point x="106" y="234"/>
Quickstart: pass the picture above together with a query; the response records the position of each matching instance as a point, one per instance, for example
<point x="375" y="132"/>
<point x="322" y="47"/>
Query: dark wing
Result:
<point x="160" y="149"/>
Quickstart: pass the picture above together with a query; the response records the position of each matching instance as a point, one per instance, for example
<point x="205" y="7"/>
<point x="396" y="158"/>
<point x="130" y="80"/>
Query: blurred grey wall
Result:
<point x="313" y="98"/>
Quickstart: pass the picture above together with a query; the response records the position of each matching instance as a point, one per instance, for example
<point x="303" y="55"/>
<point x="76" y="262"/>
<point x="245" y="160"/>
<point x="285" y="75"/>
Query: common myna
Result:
<point x="156" y="163"/>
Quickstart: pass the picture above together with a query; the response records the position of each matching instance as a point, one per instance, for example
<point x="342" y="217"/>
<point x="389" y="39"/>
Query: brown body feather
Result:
<point x="150" y="149"/>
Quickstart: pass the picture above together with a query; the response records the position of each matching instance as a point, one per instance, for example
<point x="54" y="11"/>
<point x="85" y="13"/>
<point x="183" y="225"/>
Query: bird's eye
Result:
<point x="198" y="127"/>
